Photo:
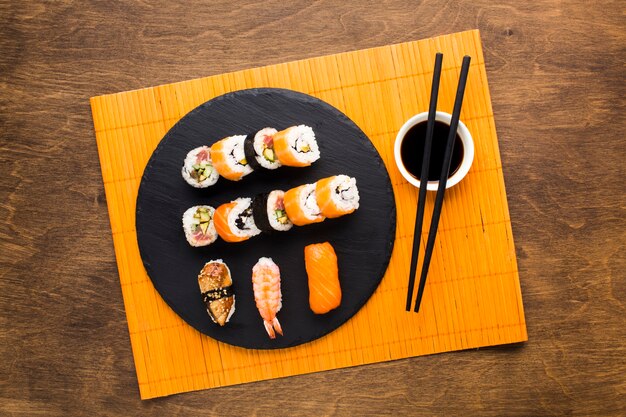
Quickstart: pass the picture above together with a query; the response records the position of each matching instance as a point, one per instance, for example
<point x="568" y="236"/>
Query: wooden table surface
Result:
<point x="557" y="78"/>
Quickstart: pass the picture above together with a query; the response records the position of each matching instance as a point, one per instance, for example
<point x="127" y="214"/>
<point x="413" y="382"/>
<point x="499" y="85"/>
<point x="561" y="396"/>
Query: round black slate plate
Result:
<point x="363" y="240"/>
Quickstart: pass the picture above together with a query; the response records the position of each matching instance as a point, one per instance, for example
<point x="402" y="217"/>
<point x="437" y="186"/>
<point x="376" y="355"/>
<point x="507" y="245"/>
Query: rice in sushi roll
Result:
<point x="198" y="168"/>
<point x="296" y="146"/>
<point x="269" y="212"/>
<point x="259" y="149"/>
<point x="198" y="225"/>
<point x="301" y="205"/>
<point x="337" y="195"/>
<point x="229" y="158"/>
<point x="234" y="221"/>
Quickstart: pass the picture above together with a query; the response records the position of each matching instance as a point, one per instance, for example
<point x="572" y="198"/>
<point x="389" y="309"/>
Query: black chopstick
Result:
<point x="430" y="127"/>
<point x="443" y="179"/>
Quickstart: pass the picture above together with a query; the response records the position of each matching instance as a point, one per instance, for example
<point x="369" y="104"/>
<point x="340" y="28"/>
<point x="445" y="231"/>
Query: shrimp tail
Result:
<point x="277" y="327"/>
<point x="270" y="329"/>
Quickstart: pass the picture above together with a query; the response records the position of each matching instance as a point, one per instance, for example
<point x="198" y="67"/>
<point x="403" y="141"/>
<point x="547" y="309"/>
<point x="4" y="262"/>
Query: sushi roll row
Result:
<point x="236" y="156"/>
<point x="276" y="211"/>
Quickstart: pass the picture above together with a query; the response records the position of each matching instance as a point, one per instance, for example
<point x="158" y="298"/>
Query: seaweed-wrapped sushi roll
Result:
<point x="259" y="149"/>
<point x="198" y="168"/>
<point x="269" y="212"/>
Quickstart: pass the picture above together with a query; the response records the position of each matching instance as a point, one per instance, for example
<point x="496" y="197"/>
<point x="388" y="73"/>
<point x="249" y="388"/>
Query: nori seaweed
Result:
<point x="248" y="150"/>
<point x="259" y="213"/>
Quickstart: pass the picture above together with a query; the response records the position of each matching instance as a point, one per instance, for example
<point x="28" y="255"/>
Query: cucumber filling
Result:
<point x="201" y="172"/>
<point x="202" y="219"/>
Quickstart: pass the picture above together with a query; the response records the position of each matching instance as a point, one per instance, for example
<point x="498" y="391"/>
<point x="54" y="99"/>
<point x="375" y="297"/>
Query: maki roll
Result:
<point x="269" y="212"/>
<point x="229" y="159"/>
<point x="301" y="205"/>
<point x="337" y="195"/>
<point x="198" y="168"/>
<point x="198" y="225"/>
<point x="259" y="149"/>
<point x="216" y="287"/>
<point x="234" y="221"/>
<point x="296" y="146"/>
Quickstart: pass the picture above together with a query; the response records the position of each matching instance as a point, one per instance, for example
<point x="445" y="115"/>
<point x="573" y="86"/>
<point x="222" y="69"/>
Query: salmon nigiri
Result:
<point x="321" y="267"/>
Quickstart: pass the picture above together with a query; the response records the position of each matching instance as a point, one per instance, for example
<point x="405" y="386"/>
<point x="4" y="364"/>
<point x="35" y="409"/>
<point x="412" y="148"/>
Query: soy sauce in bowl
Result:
<point x="412" y="150"/>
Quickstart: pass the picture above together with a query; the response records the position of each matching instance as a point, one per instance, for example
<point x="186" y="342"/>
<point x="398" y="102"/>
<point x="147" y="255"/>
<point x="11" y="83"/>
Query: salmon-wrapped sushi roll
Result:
<point x="337" y="195"/>
<point x="234" y="222"/>
<point x="296" y="146"/>
<point x="259" y="149"/>
<point x="229" y="158"/>
<point x="301" y="205"/>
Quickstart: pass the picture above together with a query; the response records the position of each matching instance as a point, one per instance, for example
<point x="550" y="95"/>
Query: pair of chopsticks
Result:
<point x="443" y="179"/>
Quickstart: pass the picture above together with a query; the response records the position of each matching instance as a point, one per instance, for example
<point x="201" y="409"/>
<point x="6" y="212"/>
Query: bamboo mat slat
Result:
<point x="472" y="297"/>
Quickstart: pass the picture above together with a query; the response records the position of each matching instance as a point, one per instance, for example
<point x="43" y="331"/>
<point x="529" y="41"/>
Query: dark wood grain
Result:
<point x="556" y="73"/>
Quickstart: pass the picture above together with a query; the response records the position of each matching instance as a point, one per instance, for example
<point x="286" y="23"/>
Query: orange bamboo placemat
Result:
<point x="472" y="296"/>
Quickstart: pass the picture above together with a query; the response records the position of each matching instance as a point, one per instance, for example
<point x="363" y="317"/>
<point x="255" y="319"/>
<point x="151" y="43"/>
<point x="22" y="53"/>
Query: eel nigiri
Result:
<point x="267" y="295"/>
<point x="216" y="288"/>
<point x="321" y="267"/>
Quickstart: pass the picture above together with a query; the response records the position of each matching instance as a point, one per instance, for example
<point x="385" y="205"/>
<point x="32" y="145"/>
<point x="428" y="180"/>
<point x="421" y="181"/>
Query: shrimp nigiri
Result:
<point x="267" y="295"/>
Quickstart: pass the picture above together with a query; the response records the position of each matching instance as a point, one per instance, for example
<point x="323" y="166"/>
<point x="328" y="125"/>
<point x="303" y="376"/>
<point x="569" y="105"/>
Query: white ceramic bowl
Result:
<point x="464" y="134"/>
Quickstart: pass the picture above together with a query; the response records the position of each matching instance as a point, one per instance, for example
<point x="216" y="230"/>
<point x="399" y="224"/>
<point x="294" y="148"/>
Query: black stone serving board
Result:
<point x="362" y="240"/>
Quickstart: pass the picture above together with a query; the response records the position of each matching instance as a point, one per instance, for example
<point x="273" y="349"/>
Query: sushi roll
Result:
<point x="267" y="294"/>
<point x="229" y="159"/>
<point x="301" y="205"/>
<point x="216" y="287"/>
<point x="259" y="149"/>
<point x="234" y="221"/>
<point x="337" y="195"/>
<point x="198" y="225"/>
<point x="296" y="146"/>
<point x="269" y="212"/>
<point x="198" y="168"/>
